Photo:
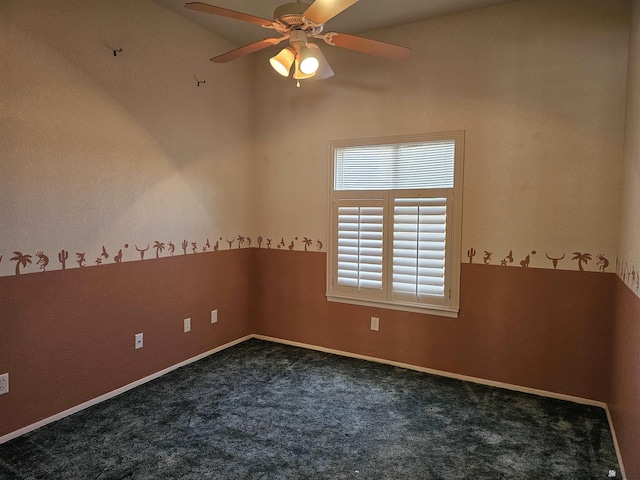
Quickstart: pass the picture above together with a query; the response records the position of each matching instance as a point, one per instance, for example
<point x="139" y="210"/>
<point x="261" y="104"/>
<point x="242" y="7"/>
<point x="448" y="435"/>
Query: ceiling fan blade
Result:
<point x="324" y="70"/>
<point x="246" y="50"/>
<point x="224" y="12"/>
<point x="368" y="46"/>
<point x="321" y="11"/>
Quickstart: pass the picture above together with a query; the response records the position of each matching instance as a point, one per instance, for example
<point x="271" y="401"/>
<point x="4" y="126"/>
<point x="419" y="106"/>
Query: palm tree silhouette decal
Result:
<point x="307" y="243"/>
<point x="159" y="246"/>
<point x="240" y="241"/>
<point x="582" y="258"/>
<point x="21" y="260"/>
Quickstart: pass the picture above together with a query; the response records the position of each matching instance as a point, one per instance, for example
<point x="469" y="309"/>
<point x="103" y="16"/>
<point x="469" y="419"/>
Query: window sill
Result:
<point x="405" y="307"/>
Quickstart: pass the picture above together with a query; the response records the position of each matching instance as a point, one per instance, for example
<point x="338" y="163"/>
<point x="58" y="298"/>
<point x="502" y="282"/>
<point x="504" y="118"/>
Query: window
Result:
<point x="396" y="222"/>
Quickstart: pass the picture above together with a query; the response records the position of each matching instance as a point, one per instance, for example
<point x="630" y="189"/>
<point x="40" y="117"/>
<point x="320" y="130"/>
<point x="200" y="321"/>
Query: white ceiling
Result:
<point x="364" y="16"/>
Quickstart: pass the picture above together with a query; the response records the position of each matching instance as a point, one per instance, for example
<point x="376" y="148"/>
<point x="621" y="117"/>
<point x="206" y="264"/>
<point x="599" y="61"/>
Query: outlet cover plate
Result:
<point x="187" y="325"/>
<point x="139" y="340"/>
<point x="375" y="323"/>
<point x="214" y="316"/>
<point x="4" y="383"/>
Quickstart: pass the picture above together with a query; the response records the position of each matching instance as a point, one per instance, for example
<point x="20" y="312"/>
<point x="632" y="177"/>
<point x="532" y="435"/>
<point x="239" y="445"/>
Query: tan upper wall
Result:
<point x="98" y="150"/>
<point x="629" y="247"/>
<point x="539" y="88"/>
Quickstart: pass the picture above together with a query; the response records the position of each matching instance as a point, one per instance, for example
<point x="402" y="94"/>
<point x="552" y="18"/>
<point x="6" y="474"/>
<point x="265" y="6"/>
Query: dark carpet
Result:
<point x="261" y="410"/>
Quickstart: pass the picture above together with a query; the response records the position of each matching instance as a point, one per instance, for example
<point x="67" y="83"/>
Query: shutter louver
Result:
<point x="419" y="243"/>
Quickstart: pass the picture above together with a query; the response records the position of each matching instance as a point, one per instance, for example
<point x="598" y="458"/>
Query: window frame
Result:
<point x="335" y="293"/>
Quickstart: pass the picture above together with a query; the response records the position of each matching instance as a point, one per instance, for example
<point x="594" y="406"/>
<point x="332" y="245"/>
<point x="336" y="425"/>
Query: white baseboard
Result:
<point x="116" y="392"/>
<point x="441" y="373"/>
<point x="615" y="442"/>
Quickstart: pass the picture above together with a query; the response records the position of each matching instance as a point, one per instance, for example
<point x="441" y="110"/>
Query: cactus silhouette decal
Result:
<point x="185" y="244"/>
<point x="63" y="255"/>
<point x="471" y="253"/>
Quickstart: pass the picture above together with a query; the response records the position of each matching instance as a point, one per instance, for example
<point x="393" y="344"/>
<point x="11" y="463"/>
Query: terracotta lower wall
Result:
<point x="624" y="402"/>
<point x="67" y="337"/>
<point x="543" y="329"/>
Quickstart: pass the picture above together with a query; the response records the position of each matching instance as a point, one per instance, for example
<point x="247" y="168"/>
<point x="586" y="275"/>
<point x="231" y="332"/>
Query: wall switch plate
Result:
<point x="4" y="383"/>
<point x="187" y="325"/>
<point x="375" y="323"/>
<point x="214" y="316"/>
<point x="139" y="341"/>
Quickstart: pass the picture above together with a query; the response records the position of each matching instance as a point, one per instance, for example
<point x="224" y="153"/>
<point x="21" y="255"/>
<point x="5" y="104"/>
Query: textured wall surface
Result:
<point x="538" y="87"/>
<point x="625" y="378"/>
<point x="104" y="153"/>
<point x="530" y="327"/>
<point x="68" y="337"/>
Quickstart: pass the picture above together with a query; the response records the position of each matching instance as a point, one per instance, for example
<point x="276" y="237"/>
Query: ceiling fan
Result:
<point x="299" y="22"/>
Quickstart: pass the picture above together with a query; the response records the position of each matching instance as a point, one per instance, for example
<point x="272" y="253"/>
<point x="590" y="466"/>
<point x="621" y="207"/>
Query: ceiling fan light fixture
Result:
<point x="282" y="62"/>
<point x="308" y="62"/>
<point x="299" y="74"/>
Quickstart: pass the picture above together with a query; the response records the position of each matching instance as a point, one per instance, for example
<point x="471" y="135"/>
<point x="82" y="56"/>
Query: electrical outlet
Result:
<point x="375" y="323"/>
<point x="187" y="325"/>
<point x="139" y="341"/>
<point x="4" y="383"/>
<point x="214" y="316"/>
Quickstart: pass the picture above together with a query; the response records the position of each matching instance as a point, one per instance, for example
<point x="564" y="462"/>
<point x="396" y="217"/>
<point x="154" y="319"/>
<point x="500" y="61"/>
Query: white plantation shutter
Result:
<point x="419" y="248"/>
<point x="360" y="239"/>
<point x="395" y="218"/>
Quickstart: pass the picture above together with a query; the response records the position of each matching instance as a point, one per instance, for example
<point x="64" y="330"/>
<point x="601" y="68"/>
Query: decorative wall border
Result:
<point x="599" y="261"/>
<point x="27" y="261"/>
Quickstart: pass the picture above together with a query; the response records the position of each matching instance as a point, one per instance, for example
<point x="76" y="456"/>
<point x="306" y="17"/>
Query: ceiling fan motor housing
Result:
<point x="290" y="13"/>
